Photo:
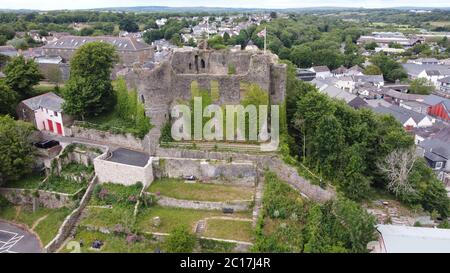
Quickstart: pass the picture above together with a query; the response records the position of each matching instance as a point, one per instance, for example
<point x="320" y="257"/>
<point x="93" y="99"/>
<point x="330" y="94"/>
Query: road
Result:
<point x="14" y="239"/>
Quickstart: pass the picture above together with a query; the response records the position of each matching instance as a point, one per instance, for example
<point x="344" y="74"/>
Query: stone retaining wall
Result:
<point x="126" y="140"/>
<point x="211" y="171"/>
<point x="272" y="162"/>
<point x="71" y="220"/>
<point x="238" y="205"/>
<point x="48" y="199"/>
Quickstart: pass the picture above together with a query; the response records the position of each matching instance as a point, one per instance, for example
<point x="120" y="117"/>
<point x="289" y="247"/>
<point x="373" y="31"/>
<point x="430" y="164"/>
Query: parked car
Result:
<point x="46" y="144"/>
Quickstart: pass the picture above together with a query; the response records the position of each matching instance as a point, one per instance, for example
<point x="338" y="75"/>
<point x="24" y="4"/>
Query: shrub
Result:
<point x="180" y="240"/>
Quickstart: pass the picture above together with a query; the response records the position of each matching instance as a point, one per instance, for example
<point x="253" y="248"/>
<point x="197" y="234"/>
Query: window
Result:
<point x="55" y="113"/>
<point x="438" y="165"/>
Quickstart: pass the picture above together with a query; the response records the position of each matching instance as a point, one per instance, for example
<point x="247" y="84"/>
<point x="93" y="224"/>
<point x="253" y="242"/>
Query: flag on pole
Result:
<point x="261" y="34"/>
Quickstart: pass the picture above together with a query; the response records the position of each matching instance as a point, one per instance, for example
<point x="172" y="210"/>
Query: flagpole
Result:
<point x="265" y="39"/>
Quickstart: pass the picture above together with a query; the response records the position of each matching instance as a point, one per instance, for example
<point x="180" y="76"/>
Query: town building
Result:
<point x="129" y="49"/>
<point x="45" y="112"/>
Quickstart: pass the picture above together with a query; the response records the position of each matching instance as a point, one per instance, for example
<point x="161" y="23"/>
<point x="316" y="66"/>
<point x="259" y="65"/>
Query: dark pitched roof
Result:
<point x="433" y="72"/>
<point x="399" y="113"/>
<point x="369" y="78"/>
<point x="48" y="100"/>
<point x="121" y="43"/>
<point x="436" y="147"/>
<point x="358" y="103"/>
<point x="321" y="68"/>
<point x="445" y="80"/>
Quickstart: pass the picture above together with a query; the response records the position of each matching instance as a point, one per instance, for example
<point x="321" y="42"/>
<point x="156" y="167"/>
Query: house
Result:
<point x="321" y="71"/>
<point x="327" y="87"/>
<point x="130" y="50"/>
<point x="433" y="76"/>
<point x="376" y="80"/>
<point x="444" y="85"/>
<point x="438" y="107"/>
<point x="413" y="70"/>
<point x="305" y="74"/>
<point x="45" y="112"/>
<point x="406" y="239"/>
<point x="408" y="118"/>
<point x="346" y="83"/>
<point x="415" y="106"/>
<point x="396" y="97"/>
<point x="424" y="61"/>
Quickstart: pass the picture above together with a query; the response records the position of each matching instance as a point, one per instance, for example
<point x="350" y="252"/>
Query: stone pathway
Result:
<point x="259" y="190"/>
<point x="200" y="227"/>
<point x="38" y="221"/>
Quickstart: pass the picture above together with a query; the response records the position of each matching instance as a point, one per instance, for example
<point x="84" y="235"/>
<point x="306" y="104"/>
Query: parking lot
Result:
<point x="14" y="239"/>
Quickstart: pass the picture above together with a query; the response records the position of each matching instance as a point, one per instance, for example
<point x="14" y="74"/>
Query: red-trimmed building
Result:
<point x="440" y="110"/>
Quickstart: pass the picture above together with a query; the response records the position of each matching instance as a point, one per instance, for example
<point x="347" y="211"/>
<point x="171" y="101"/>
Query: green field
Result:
<point x="176" y="188"/>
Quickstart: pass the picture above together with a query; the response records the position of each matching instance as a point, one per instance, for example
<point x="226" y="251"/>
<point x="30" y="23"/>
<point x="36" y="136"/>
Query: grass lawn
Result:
<point x="229" y="229"/>
<point x="176" y="188"/>
<point x="111" y="122"/>
<point x="174" y="217"/>
<point x="30" y="181"/>
<point x="112" y="243"/>
<point x="107" y="218"/>
<point x="46" y="229"/>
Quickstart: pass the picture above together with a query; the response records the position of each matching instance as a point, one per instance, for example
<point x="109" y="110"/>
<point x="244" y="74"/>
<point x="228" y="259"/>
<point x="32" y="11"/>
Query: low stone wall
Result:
<point x="71" y="220"/>
<point x="212" y="171"/>
<point x="48" y="199"/>
<point x="113" y="172"/>
<point x="238" y="205"/>
<point x="271" y="162"/>
<point x="126" y="141"/>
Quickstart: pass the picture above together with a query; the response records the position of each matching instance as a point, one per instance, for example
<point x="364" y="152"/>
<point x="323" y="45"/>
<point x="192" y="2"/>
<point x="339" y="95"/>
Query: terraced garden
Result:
<point x="178" y="189"/>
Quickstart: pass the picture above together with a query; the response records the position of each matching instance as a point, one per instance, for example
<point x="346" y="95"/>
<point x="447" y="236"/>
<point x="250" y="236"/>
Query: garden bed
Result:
<point x="176" y="188"/>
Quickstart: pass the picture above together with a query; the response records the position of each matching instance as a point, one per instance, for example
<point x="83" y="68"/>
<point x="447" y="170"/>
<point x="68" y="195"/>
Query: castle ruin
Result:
<point x="227" y="72"/>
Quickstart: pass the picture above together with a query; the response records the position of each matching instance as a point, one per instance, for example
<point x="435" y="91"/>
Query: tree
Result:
<point x="152" y="35"/>
<point x="370" y="46"/>
<point x="372" y="70"/>
<point x="421" y="86"/>
<point x="180" y="240"/>
<point x="54" y="75"/>
<point x="391" y="69"/>
<point x="22" y="75"/>
<point x="8" y="99"/>
<point x="16" y="151"/>
<point x="128" y="24"/>
<point x="89" y="91"/>
<point x="301" y="56"/>
<point x="397" y="166"/>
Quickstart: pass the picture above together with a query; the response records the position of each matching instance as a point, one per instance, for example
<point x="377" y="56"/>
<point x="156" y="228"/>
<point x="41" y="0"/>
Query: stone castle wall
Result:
<point x="171" y="81"/>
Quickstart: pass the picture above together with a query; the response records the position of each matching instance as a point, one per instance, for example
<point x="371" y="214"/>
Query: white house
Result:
<point x="321" y="71"/>
<point x="432" y="76"/>
<point x="45" y="112"/>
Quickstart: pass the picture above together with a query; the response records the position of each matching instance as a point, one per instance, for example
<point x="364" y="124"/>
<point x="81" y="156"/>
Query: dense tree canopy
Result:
<point x="22" y="75"/>
<point x="89" y="91"/>
<point x="16" y="151"/>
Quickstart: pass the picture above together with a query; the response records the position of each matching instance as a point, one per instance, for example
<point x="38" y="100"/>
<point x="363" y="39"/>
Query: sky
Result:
<point x="87" y="4"/>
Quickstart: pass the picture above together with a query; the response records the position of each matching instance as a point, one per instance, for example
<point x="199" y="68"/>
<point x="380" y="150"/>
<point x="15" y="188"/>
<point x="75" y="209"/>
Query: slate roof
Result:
<point x="404" y="239"/>
<point x="121" y="43"/>
<point x="436" y="148"/>
<point x="321" y="68"/>
<point x="399" y="113"/>
<point x="332" y="91"/>
<point x="445" y="80"/>
<point x="415" y="69"/>
<point x="433" y="72"/>
<point x="358" y="103"/>
<point x="434" y="99"/>
<point x="369" y="78"/>
<point x="48" y="100"/>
